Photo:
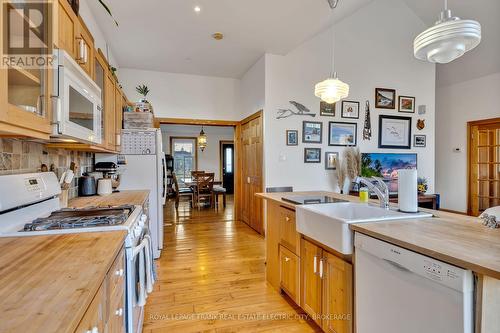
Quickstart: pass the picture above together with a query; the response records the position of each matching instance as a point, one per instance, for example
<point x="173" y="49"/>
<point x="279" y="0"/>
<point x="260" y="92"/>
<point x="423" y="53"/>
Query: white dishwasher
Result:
<point x="398" y="291"/>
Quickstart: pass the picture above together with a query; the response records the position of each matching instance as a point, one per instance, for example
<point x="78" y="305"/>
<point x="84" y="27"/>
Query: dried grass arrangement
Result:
<point x="352" y="158"/>
<point x="341" y="173"/>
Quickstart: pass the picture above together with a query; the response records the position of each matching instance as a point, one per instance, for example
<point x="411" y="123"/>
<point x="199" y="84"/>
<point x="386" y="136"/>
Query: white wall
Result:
<point x="99" y="40"/>
<point x="252" y="89"/>
<point x="183" y="95"/>
<point x="456" y="105"/>
<point x="373" y="49"/>
<point x="208" y="160"/>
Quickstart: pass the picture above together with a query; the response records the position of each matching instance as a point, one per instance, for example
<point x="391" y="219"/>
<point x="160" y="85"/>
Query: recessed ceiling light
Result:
<point x="197" y="9"/>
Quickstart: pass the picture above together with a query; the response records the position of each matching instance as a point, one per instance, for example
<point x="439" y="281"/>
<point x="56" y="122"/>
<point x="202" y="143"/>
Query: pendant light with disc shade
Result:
<point x="448" y="39"/>
<point x="202" y="140"/>
<point x="332" y="89"/>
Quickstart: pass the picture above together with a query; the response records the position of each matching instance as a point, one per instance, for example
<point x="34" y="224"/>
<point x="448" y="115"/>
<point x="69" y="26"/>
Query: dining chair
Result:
<point x="203" y="188"/>
<point x="182" y="192"/>
<point x="219" y="190"/>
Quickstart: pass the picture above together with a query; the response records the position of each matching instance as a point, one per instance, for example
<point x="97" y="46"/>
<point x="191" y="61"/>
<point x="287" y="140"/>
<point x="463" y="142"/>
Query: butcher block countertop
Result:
<point x="48" y="282"/>
<point x="457" y="239"/>
<point x="138" y="197"/>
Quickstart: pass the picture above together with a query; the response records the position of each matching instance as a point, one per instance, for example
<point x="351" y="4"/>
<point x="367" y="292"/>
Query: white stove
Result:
<point x="29" y="206"/>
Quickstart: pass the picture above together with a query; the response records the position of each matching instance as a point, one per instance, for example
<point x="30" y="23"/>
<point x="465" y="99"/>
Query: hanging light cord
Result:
<point x="333" y="74"/>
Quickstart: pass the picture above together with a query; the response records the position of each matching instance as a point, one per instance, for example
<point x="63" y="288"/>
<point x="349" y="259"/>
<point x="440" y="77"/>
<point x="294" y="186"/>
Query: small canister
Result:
<point x="364" y="195"/>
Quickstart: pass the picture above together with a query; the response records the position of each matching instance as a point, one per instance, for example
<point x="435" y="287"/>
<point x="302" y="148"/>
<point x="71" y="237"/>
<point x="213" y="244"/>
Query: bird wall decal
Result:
<point x="333" y="3"/>
<point x="302" y="110"/>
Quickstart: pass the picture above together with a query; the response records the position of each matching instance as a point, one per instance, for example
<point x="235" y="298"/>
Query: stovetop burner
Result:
<point x="81" y="218"/>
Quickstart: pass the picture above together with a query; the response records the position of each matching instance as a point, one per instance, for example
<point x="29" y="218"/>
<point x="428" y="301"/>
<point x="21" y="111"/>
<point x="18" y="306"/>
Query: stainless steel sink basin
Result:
<point x="329" y="223"/>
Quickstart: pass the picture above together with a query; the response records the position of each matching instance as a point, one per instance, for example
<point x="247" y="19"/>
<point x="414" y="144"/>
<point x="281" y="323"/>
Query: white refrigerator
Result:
<point x="142" y="167"/>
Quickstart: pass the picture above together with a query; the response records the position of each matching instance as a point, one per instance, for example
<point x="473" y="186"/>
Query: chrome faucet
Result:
<point x="381" y="189"/>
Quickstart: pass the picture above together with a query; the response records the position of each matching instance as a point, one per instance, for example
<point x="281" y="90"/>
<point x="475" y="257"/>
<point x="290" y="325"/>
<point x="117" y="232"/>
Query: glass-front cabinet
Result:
<point x="25" y="87"/>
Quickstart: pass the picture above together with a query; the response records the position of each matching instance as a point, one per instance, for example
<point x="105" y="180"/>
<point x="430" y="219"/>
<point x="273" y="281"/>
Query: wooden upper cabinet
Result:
<point x="99" y="76"/>
<point x="118" y="115"/>
<point x="109" y="110"/>
<point x="25" y="108"/>
<point x="84" y="48"/>
<point x="337" y="295"/>
<point x="67" y="28"/>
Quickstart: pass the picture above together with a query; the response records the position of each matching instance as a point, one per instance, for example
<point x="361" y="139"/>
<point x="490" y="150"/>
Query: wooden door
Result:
<point x="251" y="181"/>
<point x="290" y="273"/>
<point x="337" y="295"/>
<point x="311" y="280"/>
<point x="227" y="165"/>
<point x="484" y="165"/>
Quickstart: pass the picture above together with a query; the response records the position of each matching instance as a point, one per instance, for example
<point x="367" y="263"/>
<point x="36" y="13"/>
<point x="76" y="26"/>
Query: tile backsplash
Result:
<point x="23" y="156"/>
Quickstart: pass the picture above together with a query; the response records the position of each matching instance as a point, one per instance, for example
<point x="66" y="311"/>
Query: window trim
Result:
<point x="195" y="139"/>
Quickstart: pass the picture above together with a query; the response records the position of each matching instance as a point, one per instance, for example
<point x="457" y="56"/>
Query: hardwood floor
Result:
<point x="211" y="279"/>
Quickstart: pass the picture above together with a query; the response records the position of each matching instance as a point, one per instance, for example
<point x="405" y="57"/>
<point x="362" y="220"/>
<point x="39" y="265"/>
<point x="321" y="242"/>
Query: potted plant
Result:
<point x="144" y="91"/>
<point x="422" y="185"/>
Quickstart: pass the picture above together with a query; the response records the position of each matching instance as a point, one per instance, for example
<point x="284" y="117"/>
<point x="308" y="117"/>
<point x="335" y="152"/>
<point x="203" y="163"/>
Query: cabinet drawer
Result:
<point x="116" y="317"/>
<point x="116" y="274"/>
<point x="290" y="273"/>
<point x="289" y="237"/>
<point x="94" y="316"/>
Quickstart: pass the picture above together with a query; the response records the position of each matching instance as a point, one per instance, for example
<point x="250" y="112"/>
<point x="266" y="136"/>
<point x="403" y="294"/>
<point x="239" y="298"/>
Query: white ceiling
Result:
<point x="167" y="35"/>
<point x="485" y="58"/>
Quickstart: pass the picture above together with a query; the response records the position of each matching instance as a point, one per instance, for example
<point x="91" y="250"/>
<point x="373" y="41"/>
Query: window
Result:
<point x="229" y="160"/>
<point x="184" y="152"/>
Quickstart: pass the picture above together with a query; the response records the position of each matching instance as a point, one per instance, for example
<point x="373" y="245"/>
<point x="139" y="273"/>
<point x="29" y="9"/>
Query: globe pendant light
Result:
<point x="202" y="140"/>
<point x="332" y="89"/>
<point x="448" y="39"/>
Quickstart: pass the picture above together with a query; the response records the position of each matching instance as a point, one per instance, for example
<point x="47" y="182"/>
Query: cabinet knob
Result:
<point x="119" y="272"/>
<point x="287" y="259"/>
<point x="287" y="218"/>
<point x="119" y="312"/>
<point x="95" y="329"/>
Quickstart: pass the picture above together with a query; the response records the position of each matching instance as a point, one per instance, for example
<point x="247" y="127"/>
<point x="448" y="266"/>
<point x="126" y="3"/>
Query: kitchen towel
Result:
<point x="407" y="190"/>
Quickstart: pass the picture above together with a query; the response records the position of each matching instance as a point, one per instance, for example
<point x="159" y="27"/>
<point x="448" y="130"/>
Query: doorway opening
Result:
<point x="227" y="165"/>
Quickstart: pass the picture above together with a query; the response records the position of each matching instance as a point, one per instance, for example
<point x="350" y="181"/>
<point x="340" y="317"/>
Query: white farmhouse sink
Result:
<point x="328" y="224"/>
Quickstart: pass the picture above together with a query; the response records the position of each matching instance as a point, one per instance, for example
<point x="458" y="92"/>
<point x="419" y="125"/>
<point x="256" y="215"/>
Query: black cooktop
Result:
<point x="310" y="199"/>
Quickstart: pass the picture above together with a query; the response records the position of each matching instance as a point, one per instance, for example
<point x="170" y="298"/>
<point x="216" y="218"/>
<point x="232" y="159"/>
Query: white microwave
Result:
<point x="77" y="103"/>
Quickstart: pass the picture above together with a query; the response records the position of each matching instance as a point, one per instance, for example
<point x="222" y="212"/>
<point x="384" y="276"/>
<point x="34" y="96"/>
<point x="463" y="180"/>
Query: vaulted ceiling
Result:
<point x="168" y="35"/>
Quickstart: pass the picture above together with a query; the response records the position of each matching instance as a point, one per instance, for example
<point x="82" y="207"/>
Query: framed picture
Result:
<point x="312" y="132"/>
<point x="385" y="98"/>
<point x="406" y="104"/>
<point x="419" y="141"/>
<point x="386" y="166"/>
<point x="326" y="109"/>
<point x="342" y="134"/>
<point x="312" y="155"/>
<point x="330" y="160"/>
<point x="350" y="109"/>
<point x="394" y="132"/>
<point x="292" y="138"/>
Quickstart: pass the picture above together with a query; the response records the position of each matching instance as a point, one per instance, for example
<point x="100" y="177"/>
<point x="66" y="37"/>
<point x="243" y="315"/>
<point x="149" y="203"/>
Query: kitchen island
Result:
<point x="456" y="239"/>
<point x="47" y="283"/>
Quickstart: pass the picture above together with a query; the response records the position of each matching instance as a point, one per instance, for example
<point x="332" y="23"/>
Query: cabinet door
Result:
<point x="85" y="48"/>
<point x="118" y="116"/>
<point x="311" y="281"/>
<point x="109" y="110"/>
<point x="67" y="28"/>
<point x="94" y="316"/>
<point x="272" y="244"/>
<point x="100" y="70"/>
<point x="116" y="296"/>
<point x="337" y="295"/>
<point x="288" y="232"/>
<point x="290" y="274"/>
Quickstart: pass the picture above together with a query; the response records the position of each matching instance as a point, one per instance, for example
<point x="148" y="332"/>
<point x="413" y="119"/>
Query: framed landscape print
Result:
<point x="350" y="109"/>
<point x="342" y="134"/>
<point x="326" y="109"/>
<point x="385" y="98"/>
<point x="292" y="138"/>
<point x="394" y="132"/>
<point x="406" y="104"/>
<point x="419" y="141"/>
<point x="312" y="155"/>
<point x="330" y="160"/>
<point x="312" y="132"/>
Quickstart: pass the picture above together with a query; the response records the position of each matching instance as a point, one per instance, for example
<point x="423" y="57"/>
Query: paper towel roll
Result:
<point x="407" y="190"/>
